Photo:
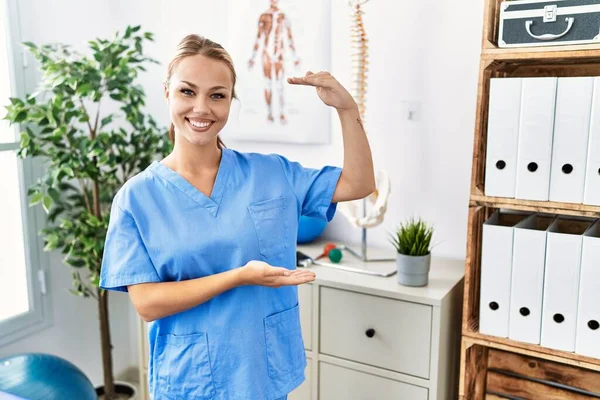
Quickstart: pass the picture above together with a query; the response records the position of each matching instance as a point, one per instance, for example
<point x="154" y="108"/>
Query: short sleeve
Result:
<point x="125" y="260"/>
<point x="314" y="188"/>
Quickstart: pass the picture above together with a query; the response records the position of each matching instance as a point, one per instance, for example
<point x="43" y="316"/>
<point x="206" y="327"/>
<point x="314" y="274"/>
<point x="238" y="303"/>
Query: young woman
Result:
<point x="204" y="241"/>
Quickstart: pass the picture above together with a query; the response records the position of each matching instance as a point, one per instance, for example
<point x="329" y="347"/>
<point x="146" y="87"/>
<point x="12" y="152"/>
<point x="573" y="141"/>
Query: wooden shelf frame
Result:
<point x="503" y="371"/>
<point x="557" y="53"/>
<point x="477" y="348"/>
<point x="532" y="350"/>
<point x="547" y="207"/>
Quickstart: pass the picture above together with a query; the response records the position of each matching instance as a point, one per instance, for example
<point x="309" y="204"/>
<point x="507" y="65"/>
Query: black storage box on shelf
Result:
<point x="525" y="23"/>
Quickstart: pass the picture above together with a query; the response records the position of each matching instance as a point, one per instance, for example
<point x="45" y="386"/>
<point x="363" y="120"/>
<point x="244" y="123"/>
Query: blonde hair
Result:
<point x="192" y="45"/>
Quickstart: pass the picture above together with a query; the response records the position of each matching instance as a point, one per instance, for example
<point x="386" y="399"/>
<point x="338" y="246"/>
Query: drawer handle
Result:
<point x="370" y="332"/>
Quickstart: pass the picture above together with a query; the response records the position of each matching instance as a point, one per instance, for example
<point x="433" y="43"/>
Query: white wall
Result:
<point x="423" y="52"/>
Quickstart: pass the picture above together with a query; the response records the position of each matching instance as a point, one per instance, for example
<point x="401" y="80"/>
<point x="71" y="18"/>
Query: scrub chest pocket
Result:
<point x="183" y="368"/>
<point x="270" y="225"/>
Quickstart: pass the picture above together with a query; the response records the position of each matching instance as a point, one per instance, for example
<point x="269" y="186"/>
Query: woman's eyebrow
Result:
<point x="191" y="84"/>
<point x="194" y="86"/>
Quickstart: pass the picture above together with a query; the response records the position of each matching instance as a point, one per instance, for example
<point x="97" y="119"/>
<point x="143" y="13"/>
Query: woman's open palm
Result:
<point x="263" y="274"/>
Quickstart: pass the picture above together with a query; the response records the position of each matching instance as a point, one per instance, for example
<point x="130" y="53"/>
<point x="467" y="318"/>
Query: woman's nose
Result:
<point x="200" y="105"/>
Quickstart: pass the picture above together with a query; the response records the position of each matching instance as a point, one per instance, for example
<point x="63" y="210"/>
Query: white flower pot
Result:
<point x="413" y="270"/>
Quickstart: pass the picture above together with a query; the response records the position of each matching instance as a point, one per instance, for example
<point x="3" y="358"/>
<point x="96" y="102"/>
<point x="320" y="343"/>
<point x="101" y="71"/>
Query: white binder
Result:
<point x="561" y="283"/>
<point x="571" y="133"/>
<point x="496" y="266"/>
<point x="502" y="137"/>
<point x="527" y="282"/>
<point x="592" y="176"/>
<point x="535" y="138"/>
<point x="588" y="314"/>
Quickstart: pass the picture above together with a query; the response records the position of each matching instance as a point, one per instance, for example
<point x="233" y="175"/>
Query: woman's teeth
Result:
<point x="199" y="124"/>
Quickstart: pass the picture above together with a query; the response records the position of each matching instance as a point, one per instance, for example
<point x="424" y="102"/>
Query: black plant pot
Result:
<point x="122" y="388"/>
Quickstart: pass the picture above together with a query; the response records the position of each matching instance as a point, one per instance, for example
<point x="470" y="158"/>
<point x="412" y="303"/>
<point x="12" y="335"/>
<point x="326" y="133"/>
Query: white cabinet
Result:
<point x="367" y="337"/>
<point x="373" y="339"/>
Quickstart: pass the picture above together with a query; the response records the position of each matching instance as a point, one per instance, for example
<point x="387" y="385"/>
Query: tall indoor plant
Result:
<point x="88" y="154"/>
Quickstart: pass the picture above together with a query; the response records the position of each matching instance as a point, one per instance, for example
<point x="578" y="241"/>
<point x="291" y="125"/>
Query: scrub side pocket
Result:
<point x="286" y="357"/>
<point x="183" y="367"/>
<point x="268" y="218"/>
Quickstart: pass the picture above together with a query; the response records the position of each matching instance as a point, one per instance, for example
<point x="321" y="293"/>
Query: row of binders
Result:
<point x="543" y="139"/>
<point x="540" y="281"/>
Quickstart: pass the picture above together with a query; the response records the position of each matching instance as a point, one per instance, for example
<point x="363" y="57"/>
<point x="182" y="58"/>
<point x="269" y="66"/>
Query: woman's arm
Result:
<point x="358" y="179"/>
<point x="158" y="300"/>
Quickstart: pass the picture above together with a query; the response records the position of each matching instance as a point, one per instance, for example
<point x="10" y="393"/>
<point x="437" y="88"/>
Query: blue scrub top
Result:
<point x="245" y="343"/>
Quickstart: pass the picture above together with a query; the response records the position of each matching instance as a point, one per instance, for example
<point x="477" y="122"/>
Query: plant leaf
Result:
<point x="47" y="203"/>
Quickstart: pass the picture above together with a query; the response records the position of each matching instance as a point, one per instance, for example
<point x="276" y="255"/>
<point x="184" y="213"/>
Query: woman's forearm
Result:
<point x="158" y="300"/>
<point x="358" y="162"/>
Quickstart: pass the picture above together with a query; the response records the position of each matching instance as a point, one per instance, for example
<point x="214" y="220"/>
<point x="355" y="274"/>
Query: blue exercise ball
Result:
<point x="38" y="376"/>
<point x="310" y="228"/>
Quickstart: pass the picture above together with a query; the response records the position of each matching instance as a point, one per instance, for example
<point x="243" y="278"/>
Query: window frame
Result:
<point x="39" y="315"/>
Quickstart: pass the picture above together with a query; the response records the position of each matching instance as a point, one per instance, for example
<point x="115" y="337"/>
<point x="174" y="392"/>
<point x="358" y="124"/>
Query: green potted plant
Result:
<point x="88" y="154"/>
<point x="412" y="241"/>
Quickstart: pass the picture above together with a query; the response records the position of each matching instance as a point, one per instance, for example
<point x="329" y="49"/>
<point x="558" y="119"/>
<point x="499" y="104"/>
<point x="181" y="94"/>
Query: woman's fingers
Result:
<point x="320" y="79"/>
<point x="299" y="274"/>
<point x="296" y="277"/>
<point x="281" y="271"/>
<point x="280" y="276"/>
<point x="303" y="80"/>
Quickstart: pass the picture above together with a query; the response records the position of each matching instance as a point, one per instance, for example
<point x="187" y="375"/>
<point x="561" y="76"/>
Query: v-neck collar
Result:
<point x="211" y="204"/>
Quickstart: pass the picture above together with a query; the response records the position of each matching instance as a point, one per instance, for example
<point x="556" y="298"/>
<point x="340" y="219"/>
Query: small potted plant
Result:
<point x="413" y="258"/>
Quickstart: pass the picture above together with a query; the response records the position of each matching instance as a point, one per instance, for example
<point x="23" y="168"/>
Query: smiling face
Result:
<point x="199" y="94"/>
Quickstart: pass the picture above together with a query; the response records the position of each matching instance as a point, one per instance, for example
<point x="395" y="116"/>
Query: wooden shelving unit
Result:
<point x="492" y="367"/>
<point x="535" y="206"/>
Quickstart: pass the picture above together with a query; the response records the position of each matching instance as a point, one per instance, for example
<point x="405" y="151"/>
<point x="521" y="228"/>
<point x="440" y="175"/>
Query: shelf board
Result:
<point x="549" y="207"/>
<point x="531" y="350"/>
<point x="529" y="54"/>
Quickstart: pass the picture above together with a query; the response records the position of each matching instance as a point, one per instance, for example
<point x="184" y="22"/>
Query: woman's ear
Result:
<point x="166" y="91"/>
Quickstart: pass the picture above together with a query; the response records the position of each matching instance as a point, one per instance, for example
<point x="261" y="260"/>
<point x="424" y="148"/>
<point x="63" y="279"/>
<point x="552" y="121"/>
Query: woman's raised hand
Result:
<point x="329" y="90"/>
<point x="263" y="274"/>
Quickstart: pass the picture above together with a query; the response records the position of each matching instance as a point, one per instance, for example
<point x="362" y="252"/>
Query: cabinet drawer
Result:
<point x="305" y="304"/>
<point x="341" y="383"/>
<point x="374" y="330"/>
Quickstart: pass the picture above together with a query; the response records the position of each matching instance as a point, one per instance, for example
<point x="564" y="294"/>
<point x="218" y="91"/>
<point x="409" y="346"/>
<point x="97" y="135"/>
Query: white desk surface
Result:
<point x="444" y="275"/>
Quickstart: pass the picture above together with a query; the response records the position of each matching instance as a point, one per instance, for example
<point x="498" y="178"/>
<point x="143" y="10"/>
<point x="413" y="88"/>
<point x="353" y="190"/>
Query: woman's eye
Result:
<point x="218" y="96"/>
<point x="187" y="92"/>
